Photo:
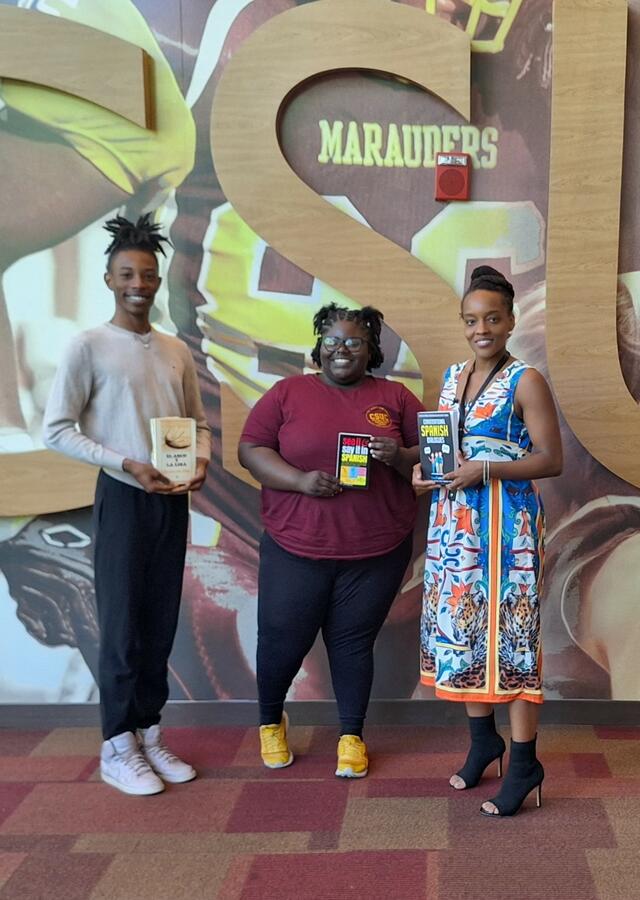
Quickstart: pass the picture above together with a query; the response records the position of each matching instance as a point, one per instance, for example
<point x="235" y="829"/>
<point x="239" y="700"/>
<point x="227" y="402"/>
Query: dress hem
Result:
<point x="481" y="696"/>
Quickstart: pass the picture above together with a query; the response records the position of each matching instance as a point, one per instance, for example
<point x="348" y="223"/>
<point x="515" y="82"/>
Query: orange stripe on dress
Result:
<point x="466" y="696"/>
<point x="493" y="624"/>
<point x="540" y="526"/>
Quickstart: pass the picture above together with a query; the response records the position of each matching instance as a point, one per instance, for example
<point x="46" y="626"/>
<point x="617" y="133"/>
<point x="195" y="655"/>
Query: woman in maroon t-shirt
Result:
<point x="332" y="557"/>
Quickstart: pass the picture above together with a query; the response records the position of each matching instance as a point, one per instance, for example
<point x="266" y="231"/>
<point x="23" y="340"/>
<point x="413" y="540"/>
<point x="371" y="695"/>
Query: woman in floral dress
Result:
<point x="480" y="630"/>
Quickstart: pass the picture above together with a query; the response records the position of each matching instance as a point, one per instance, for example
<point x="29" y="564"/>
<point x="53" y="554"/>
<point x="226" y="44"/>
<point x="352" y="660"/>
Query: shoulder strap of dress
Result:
<point x="516" y="370"/>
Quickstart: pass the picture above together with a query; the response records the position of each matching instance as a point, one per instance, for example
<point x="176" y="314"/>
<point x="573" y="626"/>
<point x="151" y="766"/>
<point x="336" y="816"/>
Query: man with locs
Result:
<point x="112" y="381"/>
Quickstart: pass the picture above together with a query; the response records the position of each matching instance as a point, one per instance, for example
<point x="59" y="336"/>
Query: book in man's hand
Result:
<point x="173" y="447"/>
<point x="438" y="438"/>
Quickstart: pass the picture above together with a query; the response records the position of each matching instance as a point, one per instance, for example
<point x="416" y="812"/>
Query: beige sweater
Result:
<point x="106" y="389"/>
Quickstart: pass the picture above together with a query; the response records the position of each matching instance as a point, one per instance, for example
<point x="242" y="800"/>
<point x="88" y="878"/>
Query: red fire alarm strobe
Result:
<point x="453" y="176"/>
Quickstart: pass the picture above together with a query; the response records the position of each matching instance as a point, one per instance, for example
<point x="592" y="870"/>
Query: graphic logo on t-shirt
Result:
<point x="379" y="416"/>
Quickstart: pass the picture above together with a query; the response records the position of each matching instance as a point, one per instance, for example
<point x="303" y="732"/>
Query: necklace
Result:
<point x="145" y="339"/>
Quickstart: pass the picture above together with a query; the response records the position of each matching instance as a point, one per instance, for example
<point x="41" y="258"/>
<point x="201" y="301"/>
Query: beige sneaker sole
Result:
<point x="132" y="789"/>
<point x="175" y="779"/>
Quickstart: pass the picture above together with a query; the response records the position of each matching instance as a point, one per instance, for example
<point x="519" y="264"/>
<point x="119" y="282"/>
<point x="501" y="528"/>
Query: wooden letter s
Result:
<point x="285" y="52"/>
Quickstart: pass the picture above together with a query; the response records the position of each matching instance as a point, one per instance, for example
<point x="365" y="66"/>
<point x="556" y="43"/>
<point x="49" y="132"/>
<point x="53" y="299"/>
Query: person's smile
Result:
<point x="343" y="363"/>
<point x="138" y="297"/>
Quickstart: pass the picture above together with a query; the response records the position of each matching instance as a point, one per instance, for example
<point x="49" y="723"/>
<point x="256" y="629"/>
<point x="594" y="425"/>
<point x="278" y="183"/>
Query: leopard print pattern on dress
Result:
<point x="472" y="678"/>
<point x="429" y="619"/>
<point x="519" y="632"/>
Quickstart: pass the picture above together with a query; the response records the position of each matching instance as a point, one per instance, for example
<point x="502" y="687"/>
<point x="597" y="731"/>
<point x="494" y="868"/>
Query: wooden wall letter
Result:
<point x="286" y="51"/>
<point x="589" y="57"/>
<point x="68" y="57"/>
<point x="76" y="59"/>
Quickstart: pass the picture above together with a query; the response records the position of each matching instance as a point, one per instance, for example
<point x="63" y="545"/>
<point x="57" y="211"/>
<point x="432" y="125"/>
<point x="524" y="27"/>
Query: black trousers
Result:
<point x="348" y="599"/>
<point x="140" y="545"/>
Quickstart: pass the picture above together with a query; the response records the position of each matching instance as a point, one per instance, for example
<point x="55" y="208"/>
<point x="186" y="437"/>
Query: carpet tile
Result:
<point x="9" y="862"/>
<point x="243" y="832"/>
<point x="414" y="765"/>
<point x="189" y="807"/>
<point x="375" y="876"/>
<point x="608" y="733"/>
<point x="562" y="824"/>
<point x="409" y="787"/>
<point x="19" y="743"/>
<point x="622" y="758"/>
<point x="509" y="871"/>
<point x="323" y="840"/>
<point x="238" y="875"/>
<point x="37" y="843"/>
<point x="11" y="798"/>
<point x="42" y="768"/>
<point x="614" y="871"/>
<point x="624" y="815"/>
<point x="55" y="876"/>
<point x="297" y="806"/>
<point x="291" y="842"/>
<point x="394" y="823"/>
<point x="161" y="876"/>
<point x="591" y="765"/>
<point x="567" y="739"/>
<point x="209" y="748"/>
<point x="591" y="787"/>
<point x="69" y="742"/>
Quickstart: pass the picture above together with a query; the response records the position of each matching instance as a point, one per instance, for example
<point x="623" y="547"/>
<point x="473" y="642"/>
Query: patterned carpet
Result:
<point x="241" y="832"/>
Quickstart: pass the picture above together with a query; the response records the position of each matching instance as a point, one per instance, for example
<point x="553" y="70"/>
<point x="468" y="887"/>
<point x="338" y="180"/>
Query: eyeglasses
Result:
<point x="351" y="343"/>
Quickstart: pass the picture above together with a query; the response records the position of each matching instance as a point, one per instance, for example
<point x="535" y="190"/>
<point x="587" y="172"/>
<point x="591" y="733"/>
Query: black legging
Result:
<point x="347" y="599"/>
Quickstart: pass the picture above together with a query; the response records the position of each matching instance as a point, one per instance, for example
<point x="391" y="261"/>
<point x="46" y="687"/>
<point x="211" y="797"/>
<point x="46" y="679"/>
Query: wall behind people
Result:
<point x="367" y="143"/>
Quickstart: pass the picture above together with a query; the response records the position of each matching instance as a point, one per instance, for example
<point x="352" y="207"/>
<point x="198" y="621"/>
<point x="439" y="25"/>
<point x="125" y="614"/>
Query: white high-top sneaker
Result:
<point x="168" y="766"/>
<point x="123" y="766"/>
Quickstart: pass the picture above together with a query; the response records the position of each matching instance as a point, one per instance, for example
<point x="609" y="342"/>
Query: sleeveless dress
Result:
<point x="480" y="626"/>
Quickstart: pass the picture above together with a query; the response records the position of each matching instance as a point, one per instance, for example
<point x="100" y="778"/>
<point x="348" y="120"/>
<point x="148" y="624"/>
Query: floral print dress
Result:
<point x="480" y="626"/>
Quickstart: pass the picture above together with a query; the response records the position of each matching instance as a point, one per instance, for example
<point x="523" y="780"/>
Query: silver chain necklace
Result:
<point x="145" y="339"/>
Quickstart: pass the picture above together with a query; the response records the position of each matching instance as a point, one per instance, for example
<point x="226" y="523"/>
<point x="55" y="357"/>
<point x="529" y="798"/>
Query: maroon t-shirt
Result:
<point x="301" y="418"/>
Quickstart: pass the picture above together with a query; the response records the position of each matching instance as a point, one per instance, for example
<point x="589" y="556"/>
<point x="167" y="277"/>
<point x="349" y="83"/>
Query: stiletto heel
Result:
<point x="486" y="746"/>
<point x="525" y="774"/>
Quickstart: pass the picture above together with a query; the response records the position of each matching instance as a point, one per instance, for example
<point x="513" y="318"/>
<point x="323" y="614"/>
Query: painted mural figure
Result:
<point x="53" y="145"/>
<point x="332" y="557"/>
<point x="225" y="292"/>
<point x="112" y="381"/>
<point x="480" y="628"/>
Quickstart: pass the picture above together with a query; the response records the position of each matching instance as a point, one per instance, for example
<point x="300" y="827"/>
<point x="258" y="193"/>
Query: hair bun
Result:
<point x="489" y="275"/>
<point x="481" y="271"/>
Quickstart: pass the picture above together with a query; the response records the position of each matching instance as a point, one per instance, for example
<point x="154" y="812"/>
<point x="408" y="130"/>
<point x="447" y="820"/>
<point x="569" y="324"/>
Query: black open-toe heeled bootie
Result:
<point x="486" y="746"/>
<point x="525" y="774"/>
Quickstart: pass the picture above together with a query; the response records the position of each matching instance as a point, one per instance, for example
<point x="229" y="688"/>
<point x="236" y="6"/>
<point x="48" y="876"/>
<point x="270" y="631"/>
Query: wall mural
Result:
<point x="243" y="300"/>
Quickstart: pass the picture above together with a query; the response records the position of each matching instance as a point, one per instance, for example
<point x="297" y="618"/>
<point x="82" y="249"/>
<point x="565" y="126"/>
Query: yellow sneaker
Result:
<point x="353" y="761"/>
<point x="274" y="748"/>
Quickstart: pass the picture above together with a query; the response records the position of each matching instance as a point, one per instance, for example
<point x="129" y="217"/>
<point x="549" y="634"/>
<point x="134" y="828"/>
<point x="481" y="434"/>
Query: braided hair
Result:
<point x="141" y="235"/>
<point x="368" y="318"/>
<point x="485" y="278"/>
